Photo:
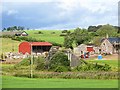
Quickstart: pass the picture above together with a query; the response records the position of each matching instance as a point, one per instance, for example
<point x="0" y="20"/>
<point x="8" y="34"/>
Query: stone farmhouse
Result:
<point x="110" y="46"/>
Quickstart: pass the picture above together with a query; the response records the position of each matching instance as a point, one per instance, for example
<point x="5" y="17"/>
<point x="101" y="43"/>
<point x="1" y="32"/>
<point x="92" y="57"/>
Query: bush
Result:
<point x="6" y="36"/>
<point x="59" y="59"/>
<point x="71" y="75"/>
<point x="39" y="32"/>
<point x="63" y="34"/>
<point x="64" y="31"/>
<point x="24" y="62"/>
<point x="53" y="33"/>
<point x="93" y="67"/>
<point x="29" y="39"/>
<point x="61" y="69"/>
<point x="40" y="63"/>
<point x="56" y="44"/>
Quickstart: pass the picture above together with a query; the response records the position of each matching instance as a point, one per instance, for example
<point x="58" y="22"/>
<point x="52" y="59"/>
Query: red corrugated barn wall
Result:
<point x="25" y="47"/>
<point x="90" y="49"/>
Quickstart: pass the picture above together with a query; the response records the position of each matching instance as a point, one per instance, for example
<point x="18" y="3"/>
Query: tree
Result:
<point x="68" y="42"/>
<point x="97" y="41"/>
<point x="81" y="36"/>
<point x="4" y="29"/>
<point x="107" y="29"/>
<point x="59" y="59"/>
<point x="15" y="28"/>
<point x="92" y="29"/>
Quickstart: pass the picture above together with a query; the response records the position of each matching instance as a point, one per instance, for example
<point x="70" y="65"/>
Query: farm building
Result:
<point x="21" y="34"/>
<point x="82" y="49"/>
<point x="110" y="45"/>
<point x="34" y="47"/>
<point x="16" y="33"/>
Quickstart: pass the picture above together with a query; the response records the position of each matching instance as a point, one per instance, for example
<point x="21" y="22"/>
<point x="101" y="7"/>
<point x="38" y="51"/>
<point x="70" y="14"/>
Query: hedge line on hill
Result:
<point x="29" y="39"/>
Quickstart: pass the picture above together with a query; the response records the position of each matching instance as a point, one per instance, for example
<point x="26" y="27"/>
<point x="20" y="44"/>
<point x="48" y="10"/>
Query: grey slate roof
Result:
<point x="112" y="40"/>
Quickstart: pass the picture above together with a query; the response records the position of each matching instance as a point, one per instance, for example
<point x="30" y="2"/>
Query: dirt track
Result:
<point x="107" y="57"/>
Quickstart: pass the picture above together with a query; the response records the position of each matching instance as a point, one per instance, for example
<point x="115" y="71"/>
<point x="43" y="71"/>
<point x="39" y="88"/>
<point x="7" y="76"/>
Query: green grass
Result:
<point x="113" y="63"/>
<point x="7" y="45"/>
<point x="16" y="82"/>
<point x="47" y="36"/>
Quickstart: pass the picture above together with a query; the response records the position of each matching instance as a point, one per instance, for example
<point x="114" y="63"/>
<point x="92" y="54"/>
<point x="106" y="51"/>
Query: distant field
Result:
<point x="7" y="45"/>
<point x="47" y="35"/>
<point x="16" y="82"/>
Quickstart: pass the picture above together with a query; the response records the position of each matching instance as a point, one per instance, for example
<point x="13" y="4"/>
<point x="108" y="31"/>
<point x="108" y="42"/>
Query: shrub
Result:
<point x="24" y="62"/>
<point x="6" y="36"/>
<point x="64" y="31"/>
<point x="56" y="44"/>
<point x="29" y="39"/>
<point x="63" y="34"/>
<point x="93" y="67"/>
<point x="39" y="32"/>
<point x="71" y="75"/>
<point x="61" y="69"/>
<point x="53" y="33"/>
<point x="59" y="59"/>
<point x="40" y="63"/>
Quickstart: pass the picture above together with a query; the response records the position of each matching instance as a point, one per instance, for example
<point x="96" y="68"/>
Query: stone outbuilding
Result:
<point x="110" y="46"/>
<point x="82" y="49"/>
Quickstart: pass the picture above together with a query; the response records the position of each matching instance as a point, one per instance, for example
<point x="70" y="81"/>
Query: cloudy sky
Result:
<point x="58" y="14"/>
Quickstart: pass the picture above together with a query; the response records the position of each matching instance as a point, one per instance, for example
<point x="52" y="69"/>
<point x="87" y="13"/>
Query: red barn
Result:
<point x="90" y="48"/>
<point x="35" y="47"/>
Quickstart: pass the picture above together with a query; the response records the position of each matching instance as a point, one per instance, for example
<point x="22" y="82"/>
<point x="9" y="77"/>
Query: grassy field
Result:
<point x="113" y="63"/>
<point x="16" y="82"/>
<point x="47" y="35"/>
<point x="7" y="45"/>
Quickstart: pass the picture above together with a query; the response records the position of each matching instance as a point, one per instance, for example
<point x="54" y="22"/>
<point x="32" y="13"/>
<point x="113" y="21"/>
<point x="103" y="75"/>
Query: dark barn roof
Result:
<point x="112" y="40"/>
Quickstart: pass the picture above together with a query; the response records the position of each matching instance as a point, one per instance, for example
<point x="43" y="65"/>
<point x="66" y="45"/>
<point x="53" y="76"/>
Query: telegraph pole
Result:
<point x="69" y="57"/>
<point x="31" y="64"/>
<point x="13" y="41"/>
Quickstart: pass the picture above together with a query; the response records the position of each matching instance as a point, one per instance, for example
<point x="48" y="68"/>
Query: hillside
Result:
<point x="47" y="35"/>
<point x="8" y="43"/>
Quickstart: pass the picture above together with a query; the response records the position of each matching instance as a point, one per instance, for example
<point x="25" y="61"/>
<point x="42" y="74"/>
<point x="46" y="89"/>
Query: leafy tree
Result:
<point x="97" y="41"/>
<point x="40" y="63"/>
<point x="64" y="31"/>
<point x="81" y="36"/>
<point x="59" y="59"/>
<point x="4" y="29"/>
<point x="107" y="29"/>
<point x="92" y="28"/>
<point x="68" y="40"/>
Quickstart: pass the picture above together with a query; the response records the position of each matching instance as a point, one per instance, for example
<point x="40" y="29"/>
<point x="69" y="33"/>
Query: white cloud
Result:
<point x="92" y="5"/>
<point x="67" y="13"/>
<point x="28" y="1"/>
<point x="12" y="12"/>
